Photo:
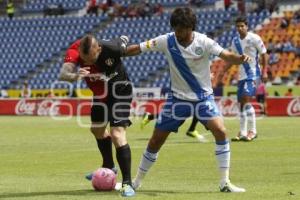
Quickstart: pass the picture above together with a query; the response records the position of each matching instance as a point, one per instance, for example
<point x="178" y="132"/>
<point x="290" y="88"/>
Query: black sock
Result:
<point x="124" y="160"/>
<point x="193" y="125"/>
<point x="105" y="148"/>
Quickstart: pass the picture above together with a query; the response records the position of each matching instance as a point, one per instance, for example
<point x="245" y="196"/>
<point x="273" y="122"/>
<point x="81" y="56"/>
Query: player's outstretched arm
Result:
<point x="133" y="50"/>
<point x="68" y="73"/>
<point x="234" y="59"/>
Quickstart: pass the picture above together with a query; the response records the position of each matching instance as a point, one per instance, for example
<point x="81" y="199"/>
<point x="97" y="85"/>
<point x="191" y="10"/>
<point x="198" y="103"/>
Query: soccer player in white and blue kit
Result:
<point x="249" y="76"/>
<point x="188" y="55"/>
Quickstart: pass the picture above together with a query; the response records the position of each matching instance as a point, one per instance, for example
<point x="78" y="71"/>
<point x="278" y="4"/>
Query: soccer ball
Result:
<point x="104" y="179"/>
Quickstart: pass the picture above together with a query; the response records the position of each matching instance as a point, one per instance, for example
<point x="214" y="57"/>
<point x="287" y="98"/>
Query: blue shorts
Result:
<point x="176" y="111"/>
<point x="246" y="88"/>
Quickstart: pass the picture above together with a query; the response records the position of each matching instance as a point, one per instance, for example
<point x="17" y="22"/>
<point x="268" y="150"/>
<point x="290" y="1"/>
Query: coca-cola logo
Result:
<point x="228" y="106"/>
<point x="45" y="107"/>
<point x="48" y="107"/>
<point x="293" y="108"/>
<point x="25" y="108"/>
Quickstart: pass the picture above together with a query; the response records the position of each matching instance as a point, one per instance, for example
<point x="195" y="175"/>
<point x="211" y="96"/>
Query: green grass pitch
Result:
<point x="46" y="159"/>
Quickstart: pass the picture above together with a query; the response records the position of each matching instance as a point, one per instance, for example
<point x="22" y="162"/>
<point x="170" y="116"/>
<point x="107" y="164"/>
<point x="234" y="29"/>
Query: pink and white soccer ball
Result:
<point x="104" y="179"/>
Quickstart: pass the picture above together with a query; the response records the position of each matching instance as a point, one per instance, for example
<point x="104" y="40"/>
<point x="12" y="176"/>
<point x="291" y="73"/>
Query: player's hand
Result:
<point x="83" y="72"/>
<point x="245" y="58"/>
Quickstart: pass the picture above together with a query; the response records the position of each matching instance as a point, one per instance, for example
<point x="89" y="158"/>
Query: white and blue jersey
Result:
<point x="252" y="45"/>
<point x="191" y="87"/>
<point x="189" y="66"/>
<point x="250" y="72"/>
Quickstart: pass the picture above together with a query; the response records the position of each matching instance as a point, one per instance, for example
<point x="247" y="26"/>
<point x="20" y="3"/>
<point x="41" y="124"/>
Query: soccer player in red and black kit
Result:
<point x="102" y="68"/>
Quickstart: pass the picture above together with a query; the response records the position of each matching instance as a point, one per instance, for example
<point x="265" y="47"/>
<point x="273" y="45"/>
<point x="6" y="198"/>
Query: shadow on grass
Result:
<point x="56" y="193"/>
<point x="93" y="193"/>
<point x="158" y="192"/>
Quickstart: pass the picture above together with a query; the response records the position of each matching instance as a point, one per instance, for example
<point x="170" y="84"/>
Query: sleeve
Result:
<point x="114" y="46"/>
<point x="72" y="55"/>
<point x="155" y="44"/>
<point x="259" y="44"/>
<point x="213" y="47"/>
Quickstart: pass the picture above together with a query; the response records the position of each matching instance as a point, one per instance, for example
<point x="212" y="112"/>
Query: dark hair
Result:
<point x="85" y="44"/>
<point x="242" y="19"/>
<point x="183" y="17"/>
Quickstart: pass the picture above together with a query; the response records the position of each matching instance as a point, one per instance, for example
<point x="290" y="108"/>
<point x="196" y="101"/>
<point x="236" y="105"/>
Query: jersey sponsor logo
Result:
<point x="110" y="61"/>
<point x="293" y="108"/>
<point x="199" y="51"/>
<point x="98" y="76"/>
<point x="247" y="48"/>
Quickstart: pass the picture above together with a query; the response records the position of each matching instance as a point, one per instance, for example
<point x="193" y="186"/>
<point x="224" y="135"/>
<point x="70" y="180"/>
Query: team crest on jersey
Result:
<point x="199" y="51"/>
<point x="109" y="61"/>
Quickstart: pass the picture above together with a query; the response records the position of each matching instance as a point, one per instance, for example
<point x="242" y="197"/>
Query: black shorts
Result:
<point x="115" y="110"/>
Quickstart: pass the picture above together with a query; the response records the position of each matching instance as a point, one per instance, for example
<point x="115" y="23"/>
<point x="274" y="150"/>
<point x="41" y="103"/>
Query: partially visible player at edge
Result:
<point x="101" y="67"/>
<point x="249" y="76"/>
<point x="188" y="52"/>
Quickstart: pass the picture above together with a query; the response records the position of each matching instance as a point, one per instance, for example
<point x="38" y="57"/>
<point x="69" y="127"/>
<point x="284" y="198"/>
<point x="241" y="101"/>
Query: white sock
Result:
<point x="251" y="118"/>
<point x="243" y="123"/>
<point x="223" y="157"/>
<point x="148" y="159"/>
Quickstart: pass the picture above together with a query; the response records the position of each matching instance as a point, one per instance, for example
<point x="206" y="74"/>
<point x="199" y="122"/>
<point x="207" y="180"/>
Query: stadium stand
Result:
<point x="29" y="42"/>
<point x="169" y="3"/>
<point x="39" y="40"/>
<point x="40" y="5"/>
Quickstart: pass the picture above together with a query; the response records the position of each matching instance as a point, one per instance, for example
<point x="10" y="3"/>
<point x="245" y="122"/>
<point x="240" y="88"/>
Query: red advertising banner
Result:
<point x="288" y="106"/>
<point x="42" y="107"/>
<point x="285" y="106"/>
<point x="280" y="106"/>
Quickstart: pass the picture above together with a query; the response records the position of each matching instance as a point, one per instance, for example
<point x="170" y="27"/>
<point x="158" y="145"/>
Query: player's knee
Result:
<point x="118" y="136"/>
<point x="219" y="132"/>
<point x="222" y="130"/>
<point x="98" y="132"/>
<point x="93" y="131"/>
<point x="249" y="108"/>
